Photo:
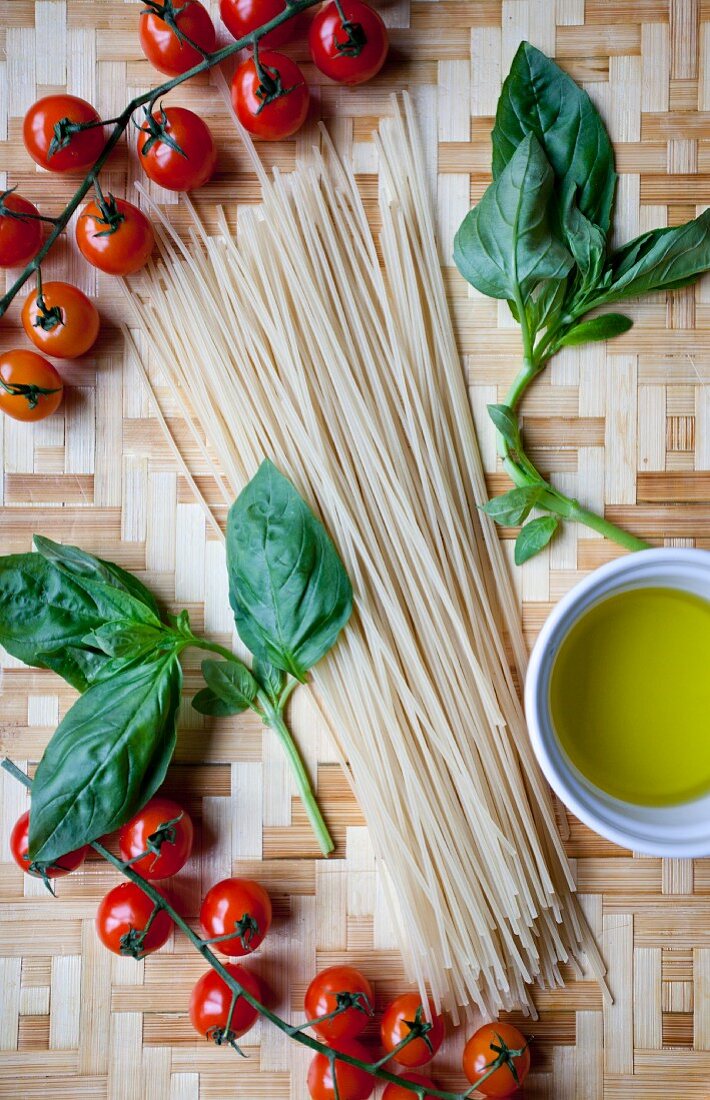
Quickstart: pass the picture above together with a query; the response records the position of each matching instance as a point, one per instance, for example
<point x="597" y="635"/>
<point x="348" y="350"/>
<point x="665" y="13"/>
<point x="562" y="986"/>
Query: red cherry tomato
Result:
<point x="123" y="915"/>
<point x="493" y="1042"/>
<point x="21" y="237"/>
<point x="353" y="52"/>
<point x="162" y="46"/>
<point x="394" y="1092"/>
<point x="177" y="171"/>
<point x="66" y="324"/>
<point x="56" y="151"/>
<point x="353" y="1083"/>
<point x="394" y="1029"/>
<point x="30" y="388"/>
<point x="143" y="831"/>
<point x="259" y="109"/>
<point x="242" y="16"/>
<point x="119" y="243"/>
<point x="240" y="906"/>
<point x="210" y="1003"/>
<point x="20" y="847"/>
<point x="321" y="999"/>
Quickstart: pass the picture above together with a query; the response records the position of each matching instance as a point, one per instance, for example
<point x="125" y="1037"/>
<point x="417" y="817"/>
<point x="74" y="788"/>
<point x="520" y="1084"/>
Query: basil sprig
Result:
<point x="102" y="630"/>
<point x="539" y="238"/>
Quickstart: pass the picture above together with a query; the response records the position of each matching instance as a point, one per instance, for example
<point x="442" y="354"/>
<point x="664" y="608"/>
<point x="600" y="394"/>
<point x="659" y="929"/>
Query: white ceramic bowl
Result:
<point x="681" y="830"/>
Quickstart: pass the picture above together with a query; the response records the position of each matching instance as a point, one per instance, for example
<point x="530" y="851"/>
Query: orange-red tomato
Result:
<point x="20" y="848"/>
<point x="242" y="16"/>
<point x="118" y="251"/>
<point x="161" y="162"/>
<point x="394" y="1092"/>
<point x="161" y="44"/>
<point x="266" y="117"/>
<point x="211" y="999"/>
<point x="353" y="53"/>
<point x="236" y="903"/>
<point x="71" y="153"/>
<point x="123" y="914"/>
<point x="21" y="237"/>
<point x="174" y="851"/>
<point x="321" y="999"/>
<point x="67" y="325"/>
<point x="484" y="1048"/>
<point x="353" y="1083"/>
<point x="30" y="388"/>
<point x="394" y="1028"/>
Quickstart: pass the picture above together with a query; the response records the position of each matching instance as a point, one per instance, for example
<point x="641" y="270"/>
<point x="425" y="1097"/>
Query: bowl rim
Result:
<point x="656" y="837"/>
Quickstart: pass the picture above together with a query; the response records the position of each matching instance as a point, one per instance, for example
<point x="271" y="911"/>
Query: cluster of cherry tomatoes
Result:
<point x="235" y="917"/>
<point x="64" y="134"/>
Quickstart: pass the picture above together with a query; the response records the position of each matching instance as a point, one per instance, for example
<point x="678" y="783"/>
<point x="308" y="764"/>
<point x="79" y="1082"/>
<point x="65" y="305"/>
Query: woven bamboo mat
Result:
<point x="625" y="427"/>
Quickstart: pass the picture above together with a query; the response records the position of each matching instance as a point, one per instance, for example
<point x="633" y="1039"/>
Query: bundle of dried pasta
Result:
<point x="293" y="340"/>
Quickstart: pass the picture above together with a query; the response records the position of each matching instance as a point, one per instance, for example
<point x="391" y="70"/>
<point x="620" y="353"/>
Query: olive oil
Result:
<point x="630" y="695"/>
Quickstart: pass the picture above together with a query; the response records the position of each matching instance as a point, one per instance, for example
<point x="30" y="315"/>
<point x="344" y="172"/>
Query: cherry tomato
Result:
<point x="394" y="1029"/>
<point x="497" y="1042"/>
<point x="353" y="1083"/>
<point x="118" y="244"/>
<point x="259" y="109"/>
<point x="236" y="905"/>
<point x="242" y="16"/>
<point x="321" y="999"/>
<point x="142" y="833"/>
<point x="122" y="917"/>
<point x="20" y="846"/>
<point x="30" y="388"/>
<point x="21" y="237"/>
<point x="211" y="1000"/>
<point x="162" y="46"/>
<point x="350" y="52"/>
<point x="65" y="325"/>
<point x="394" y="1092"/>
<point x="57" y="151"/>
<point x="163" y="163"/>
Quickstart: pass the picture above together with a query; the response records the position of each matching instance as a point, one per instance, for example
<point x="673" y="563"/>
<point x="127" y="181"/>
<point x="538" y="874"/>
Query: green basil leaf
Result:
<point x="101" y="577"/>
<point x="232" y="682"/>
<point x="534" y="537"/>
<point x="505" y="246"/>
<point x="539" y="98"/>
<point x="587" y="244"/>
<point x="271" y="679"/>
<point x="127" y="639"/>
<point x="44" y="615"/>
<point x="107" y="757"/>
<point x="599" y="328"/>
<point x="289" y="590"/>
<point x="506" y="422"/>
<point x="513" y="507"/>
<point x="663" y="259"/>
<point x="206" y="702"/>
<point x="544" y="307"/>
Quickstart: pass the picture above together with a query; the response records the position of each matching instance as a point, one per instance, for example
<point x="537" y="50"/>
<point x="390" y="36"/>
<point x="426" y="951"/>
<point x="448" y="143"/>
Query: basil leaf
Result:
<point x="506" y="422"/>
<point x="587" y="244"/>
<point x="289" y="590"/>
<point x="108" y="756"/>
<point x="544" y="307"/>
<point x="663" y="259"/>
<point x="271" y="679"/>
<point x="599" y="328"/>
<point x="505" y="245"/>
<point x="127" y="639"/>
<point x="232" y="682"/>
<point x="85" y="569"/>
<point x="206" y="702"/>
<point x="513" y="507"/>
<point x="539" y="98"/>
<point x="44" y="615"/>
<point x="534" y="537"/>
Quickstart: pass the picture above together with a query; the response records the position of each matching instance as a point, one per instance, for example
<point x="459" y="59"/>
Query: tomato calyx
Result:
<point x="167" y="11"/>
<point x="504" y="1056"/>
<point x="41" y="869"/>
<point x="344" y="1001"/>
<point x="224" y="1036"/>
<point x="64" y="130"/>
<point x="47" y="318"/>
<point x="166" y="833"/>
<point x="355" y="38"/>
<point x="132" y="942"/>
<point x="20" y="215"/>
<point x="270" y="83"/>
<point x="246" y="928"/>
<point x="419" y="1028"/>
<point x="111" y="216"/>
<point x="157" y="129"/>
<point x="27" y="390"/>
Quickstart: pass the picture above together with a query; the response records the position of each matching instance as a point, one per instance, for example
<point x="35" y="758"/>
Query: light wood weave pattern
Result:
<point x="625" y="427"/>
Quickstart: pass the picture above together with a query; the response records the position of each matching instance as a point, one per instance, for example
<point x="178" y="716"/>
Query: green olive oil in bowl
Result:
<point x="629" y="695"/>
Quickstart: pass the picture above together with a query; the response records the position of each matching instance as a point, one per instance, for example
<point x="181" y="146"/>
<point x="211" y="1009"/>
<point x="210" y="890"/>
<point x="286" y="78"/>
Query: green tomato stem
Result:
<point x="236" y="988"/>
